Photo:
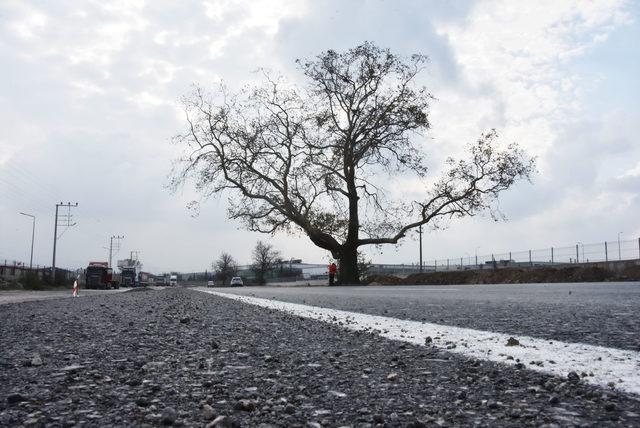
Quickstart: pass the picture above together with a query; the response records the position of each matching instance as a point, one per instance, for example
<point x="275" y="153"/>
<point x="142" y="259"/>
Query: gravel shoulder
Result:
<point x="19" y="296"/>
<point x="180" y="357"/>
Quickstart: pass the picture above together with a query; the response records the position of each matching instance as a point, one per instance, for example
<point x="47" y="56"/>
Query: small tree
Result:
<point x="364" y="265"/>
<point x="317" y="159"/>
<point x="265" y="258"/>
<point x="225" y="268"/>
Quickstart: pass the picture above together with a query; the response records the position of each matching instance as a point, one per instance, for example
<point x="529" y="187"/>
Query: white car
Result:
<point x="210" y="284"/>
<point x="236" y="281"/>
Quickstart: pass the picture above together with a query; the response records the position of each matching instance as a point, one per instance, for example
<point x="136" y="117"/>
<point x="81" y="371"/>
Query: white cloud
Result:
<point x="519" y="51"/>
<point x="32" y="21"/>
<point x="633" y="172"/>
<point x="90" y="101"/>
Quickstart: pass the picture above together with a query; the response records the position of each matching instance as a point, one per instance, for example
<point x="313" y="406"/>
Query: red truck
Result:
<point x="100" y="275"/>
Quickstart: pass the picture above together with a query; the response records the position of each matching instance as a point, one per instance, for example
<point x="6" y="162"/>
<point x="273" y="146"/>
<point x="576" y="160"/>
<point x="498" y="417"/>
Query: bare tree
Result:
<point x="316" y="159"/>
<point x="265" y="258"/>
<point x="225" y="268"/>
<point x="364" y="265"/>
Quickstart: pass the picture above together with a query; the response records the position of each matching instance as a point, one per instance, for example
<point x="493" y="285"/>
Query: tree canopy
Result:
<point x="264" y="259"/>
<point x="321" y="159"/>
<point x="225" y="268"/>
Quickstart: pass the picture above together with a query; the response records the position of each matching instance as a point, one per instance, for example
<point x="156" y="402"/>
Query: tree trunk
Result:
<point x="348" y="268"/>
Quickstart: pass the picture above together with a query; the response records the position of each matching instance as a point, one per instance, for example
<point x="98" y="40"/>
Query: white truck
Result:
<point x="173" y="280"/>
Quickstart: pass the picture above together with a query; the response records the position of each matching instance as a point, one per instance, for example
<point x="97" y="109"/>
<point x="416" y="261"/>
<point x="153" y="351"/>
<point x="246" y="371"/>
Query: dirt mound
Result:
<point x="137" y="289"/>
<point x="631" y="273"/>
<point x="383" y="279"/>
<point x="512" y="276"/>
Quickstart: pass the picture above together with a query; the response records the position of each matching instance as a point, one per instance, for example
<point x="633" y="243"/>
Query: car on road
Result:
<point x="210" y="284"/>
<point x="236" y="281"/>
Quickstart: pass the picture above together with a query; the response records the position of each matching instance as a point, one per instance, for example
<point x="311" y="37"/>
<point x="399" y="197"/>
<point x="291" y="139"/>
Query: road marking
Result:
<point x="422" y="290"/>
<point x="603" y="366"/>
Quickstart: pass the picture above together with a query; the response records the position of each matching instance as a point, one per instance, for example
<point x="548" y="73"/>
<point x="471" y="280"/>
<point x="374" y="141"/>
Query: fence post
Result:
<point x="577" y="255"/>
<point x="530" y="262"/>
<point x="460" y="262"/>
<point x="639" y="248"/>
<point x="435" y="265"/>
<point x="551" y="255"/>
<point x="606" y="253"/>
<point x="447" y="264"/>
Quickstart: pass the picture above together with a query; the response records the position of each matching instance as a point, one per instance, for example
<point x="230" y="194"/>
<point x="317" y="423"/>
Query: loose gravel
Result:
<point x="180" y="357"/>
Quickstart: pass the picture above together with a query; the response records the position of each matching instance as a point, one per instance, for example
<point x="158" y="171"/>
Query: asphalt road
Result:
<point x="606" y="314"/>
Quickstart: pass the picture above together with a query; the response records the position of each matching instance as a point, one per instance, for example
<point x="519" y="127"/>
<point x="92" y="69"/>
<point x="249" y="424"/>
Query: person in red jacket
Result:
<point x="332" y="273"/>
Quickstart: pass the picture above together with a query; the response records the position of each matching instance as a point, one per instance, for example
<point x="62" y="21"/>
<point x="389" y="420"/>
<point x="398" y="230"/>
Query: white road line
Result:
<point x="424" y="289"/>
<point x="604" y="366"/>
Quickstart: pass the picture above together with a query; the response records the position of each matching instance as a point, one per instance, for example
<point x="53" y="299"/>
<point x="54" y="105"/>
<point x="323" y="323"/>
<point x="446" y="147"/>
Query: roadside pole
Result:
<point x="420" y="233"/>
<point x="33" y="232"/>
<point x="117" y="238"/>
<point x="55" y="238"/>
<point x="55" y="235"/>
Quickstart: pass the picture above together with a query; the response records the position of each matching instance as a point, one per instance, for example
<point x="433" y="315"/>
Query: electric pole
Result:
<point x="33" y="232"/>
<point x="420" y="233"/>
<point x="66" y="222"/>
<point x="117" y="238"/>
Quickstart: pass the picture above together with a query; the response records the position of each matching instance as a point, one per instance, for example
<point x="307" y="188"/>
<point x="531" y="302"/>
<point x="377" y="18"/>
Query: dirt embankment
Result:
<point x="511" y="276"/>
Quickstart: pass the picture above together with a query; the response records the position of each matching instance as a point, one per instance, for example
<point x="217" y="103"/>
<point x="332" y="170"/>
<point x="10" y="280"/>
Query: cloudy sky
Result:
<point x="90" y="98"/>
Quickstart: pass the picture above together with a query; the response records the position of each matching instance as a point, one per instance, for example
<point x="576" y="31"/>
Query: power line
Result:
<point x="20" y="196"/>
<point x="24" y="175"/>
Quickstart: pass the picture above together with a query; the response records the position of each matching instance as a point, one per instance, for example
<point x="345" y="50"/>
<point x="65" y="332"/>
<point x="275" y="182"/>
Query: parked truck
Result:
<point x="129" y="277"/>
<point x="99" y="275"/>
<point x="130" y="271"/>
<point x="146" y="279"/>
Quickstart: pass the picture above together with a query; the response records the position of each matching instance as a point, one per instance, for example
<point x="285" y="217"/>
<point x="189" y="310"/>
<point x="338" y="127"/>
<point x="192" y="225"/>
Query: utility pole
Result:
<point x="55" y="234"/>
<point x="33" y="232"/>
<point x="117" y="238"/>
<point x="619" y="252"/>
<point x="420" y="233"/>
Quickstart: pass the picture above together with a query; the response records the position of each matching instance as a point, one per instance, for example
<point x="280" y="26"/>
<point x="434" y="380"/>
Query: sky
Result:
<point x="90" y="100"/>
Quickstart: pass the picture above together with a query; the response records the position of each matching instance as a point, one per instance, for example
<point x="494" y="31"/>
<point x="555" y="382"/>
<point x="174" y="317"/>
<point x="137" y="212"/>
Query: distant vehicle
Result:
<point x="173" y="280"/>
<point x="99" y="275"/>
<point x="236" y="281"/>
<point x="130" y="271"/>
<point x="210" y="284"/>
<point x="129" y="277"/>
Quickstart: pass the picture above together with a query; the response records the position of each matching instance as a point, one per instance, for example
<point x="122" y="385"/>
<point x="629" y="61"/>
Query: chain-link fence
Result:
<point x="579" y="253"/>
